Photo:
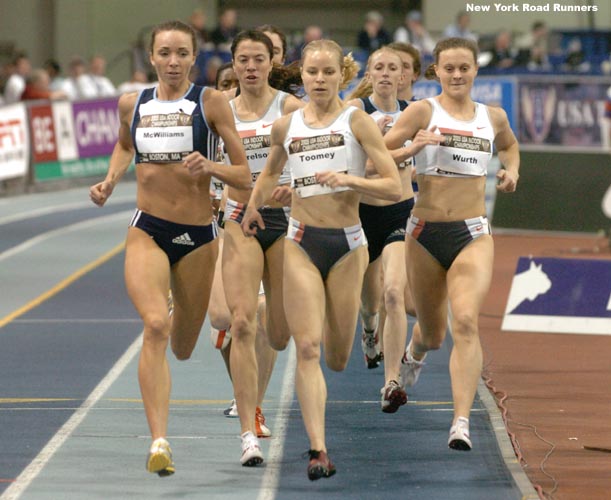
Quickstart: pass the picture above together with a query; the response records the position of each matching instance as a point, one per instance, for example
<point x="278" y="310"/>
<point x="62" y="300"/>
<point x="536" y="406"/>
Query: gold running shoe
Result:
<point x="159" y="459"/>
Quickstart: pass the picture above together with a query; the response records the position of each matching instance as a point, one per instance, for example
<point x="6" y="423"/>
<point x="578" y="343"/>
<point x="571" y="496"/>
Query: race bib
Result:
<point x="164" y="132"/>
<point x="463" y="154"/>
<point x="310" y="155"/>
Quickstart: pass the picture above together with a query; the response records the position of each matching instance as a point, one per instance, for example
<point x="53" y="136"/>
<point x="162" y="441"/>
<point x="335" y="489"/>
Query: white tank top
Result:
<point x="467" y="149"/>
<point x="255" y="135"/>
<point x="311" y="150"/>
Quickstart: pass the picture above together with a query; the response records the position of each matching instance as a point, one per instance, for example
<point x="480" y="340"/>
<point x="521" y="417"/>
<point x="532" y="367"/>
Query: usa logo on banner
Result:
<point x="560" y="296"/>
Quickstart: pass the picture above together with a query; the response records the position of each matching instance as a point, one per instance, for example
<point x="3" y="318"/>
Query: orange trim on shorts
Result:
<point x="236" y="213"/>
<point x="418" y="229"/>
<point x="299" y="234"/>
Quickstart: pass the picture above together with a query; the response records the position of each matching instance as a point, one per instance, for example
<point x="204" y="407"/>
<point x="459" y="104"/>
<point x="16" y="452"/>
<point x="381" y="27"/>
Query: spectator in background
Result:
<point x="575" y="58"/>
<point x="15" y="85"/>
<point x="414" y="33"/>
<point x="197" y="21"/>
<point x="54" y="70"/>
<point x="78" y="85"/>
<point x="460" y="27"/>
<point x="226" y="30"/>
<point x="311" y="33"/>
<point x="503" y="56"/>
<point x="38" y="87"/>
<point x="97" y="73"/>
<point x="137" y="82"/>
<point x="533" y="48"/>
<point x="373" y="35"/>
<point x="212" y="66"/>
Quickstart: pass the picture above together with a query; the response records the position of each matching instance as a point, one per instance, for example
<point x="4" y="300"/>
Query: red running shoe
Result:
<point x="320" y="465"/>
<point x="393" y="396"/>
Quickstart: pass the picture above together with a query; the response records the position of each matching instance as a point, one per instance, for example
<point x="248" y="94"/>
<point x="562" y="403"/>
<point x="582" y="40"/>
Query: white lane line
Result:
<point x="16" y="489"/>
<point x="271" y="478"/>
<point x="37" y="212"/>
<point x="86" y="224"/>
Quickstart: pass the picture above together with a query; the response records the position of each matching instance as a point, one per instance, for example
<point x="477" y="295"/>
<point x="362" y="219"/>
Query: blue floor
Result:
<point x="55" y="354"/>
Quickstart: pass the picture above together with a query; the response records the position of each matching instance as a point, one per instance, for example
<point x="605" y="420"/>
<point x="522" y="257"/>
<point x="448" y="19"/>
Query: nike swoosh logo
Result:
<point x="479" y="128"/>
<point x="265" y="125"/>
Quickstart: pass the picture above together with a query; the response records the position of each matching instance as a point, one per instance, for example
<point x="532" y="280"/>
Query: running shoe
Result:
<point x="251" y="451"/>
<point x="370" y="343"/>
<point x="232" y="410"/>
<point x="459" y="435"/>
<point x="410" y="368"/>
<point x="159" y="459"/>
<point x="320" y="465"/>
<point x="262" y="429"/>
<point x="393" y="396"/>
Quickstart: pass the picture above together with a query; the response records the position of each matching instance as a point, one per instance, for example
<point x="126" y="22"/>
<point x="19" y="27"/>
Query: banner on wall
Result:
<point x="14" y="141"/>
<point x="73" y="139"/>
<point x="567" y="113"/>
<point x="553" y="295"/>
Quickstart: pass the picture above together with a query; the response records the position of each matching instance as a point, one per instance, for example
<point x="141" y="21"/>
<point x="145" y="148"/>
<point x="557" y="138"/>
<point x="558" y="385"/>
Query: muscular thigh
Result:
<point x="470" y="276"/>
<point x="273" y="282"/>
<point x="191" y="282"/>
<point x="218" y="310"/>
<point x="242" y="270"/>
<point x="304" y="295"/>
<point x="147" y="273"/>
<point x="427" y="281"/>
<point x="343" y="288"/>
<point x="393" y="261"/>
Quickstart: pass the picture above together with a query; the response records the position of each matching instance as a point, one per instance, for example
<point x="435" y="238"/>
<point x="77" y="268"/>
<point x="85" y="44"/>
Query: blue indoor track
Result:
<point x="73" y="426"/>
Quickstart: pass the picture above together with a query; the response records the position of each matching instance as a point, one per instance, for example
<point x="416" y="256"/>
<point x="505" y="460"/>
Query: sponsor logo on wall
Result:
<point x="555" y="295"/>
<point x="14" y="141"/>
<point x="73" y="139"/>
<point x="567" y="113"/>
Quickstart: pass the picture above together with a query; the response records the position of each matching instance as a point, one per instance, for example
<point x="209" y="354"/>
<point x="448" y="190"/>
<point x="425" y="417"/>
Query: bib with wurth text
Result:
<point x="467" y="147"/>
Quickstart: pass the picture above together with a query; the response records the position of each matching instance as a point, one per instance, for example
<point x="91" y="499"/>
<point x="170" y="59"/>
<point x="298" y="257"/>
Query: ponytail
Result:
<point x="351" y="69"/>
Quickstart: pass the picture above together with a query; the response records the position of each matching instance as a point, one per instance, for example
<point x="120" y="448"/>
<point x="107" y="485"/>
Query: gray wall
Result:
<point x="557" y="192"/>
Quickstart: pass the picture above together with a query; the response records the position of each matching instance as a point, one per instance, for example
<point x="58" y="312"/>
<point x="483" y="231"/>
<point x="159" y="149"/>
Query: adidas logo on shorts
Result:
<point x="183" y="239"/>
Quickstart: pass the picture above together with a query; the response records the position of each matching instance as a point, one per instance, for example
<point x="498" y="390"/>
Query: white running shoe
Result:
<point x="251" y="451"/>
<point x="410" y="368"/>
<point x="159" y="459"/>
<point x="232" y="410"/>
<point x="370" y="343"/>
<point x="459" y="435"/>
